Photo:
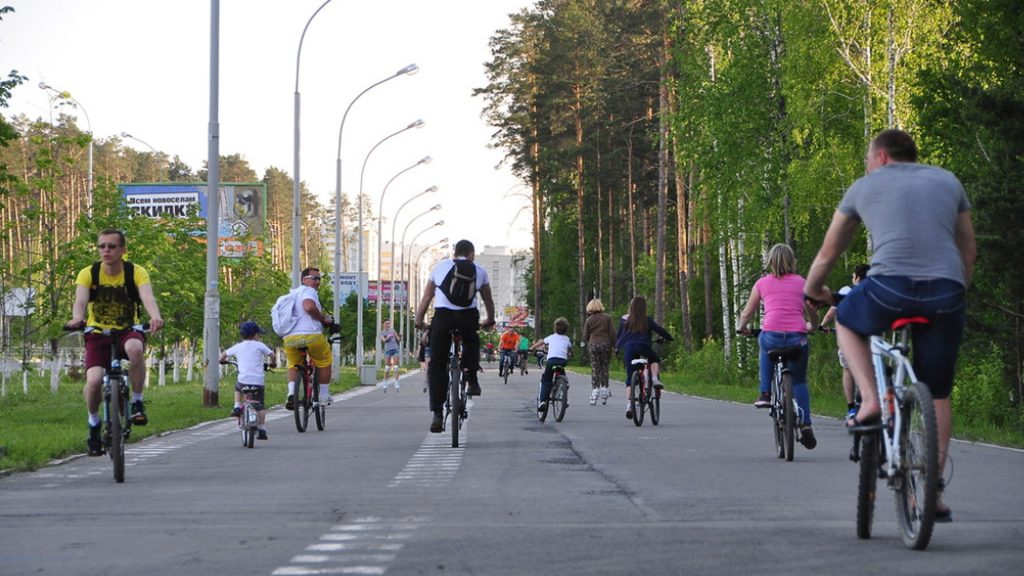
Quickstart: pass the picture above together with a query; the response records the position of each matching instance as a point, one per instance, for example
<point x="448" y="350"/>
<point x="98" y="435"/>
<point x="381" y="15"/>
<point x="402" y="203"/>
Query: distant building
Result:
<point x="507" y="270"/>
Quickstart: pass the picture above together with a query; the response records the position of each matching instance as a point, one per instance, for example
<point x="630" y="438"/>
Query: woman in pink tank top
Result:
<point x="785" y="322"/>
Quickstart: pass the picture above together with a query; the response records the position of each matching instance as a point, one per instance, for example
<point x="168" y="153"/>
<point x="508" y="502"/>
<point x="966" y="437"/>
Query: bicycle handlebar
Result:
<point x="144" y="327"/>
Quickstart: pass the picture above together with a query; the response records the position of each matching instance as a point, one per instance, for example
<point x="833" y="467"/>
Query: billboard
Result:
<point x="243" y="210"/>
<point x="401" y="292"/>
<point x="518" y="316"/>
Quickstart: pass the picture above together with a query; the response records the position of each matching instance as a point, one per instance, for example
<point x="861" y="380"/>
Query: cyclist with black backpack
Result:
<point x="453" y="286"/>
<point x="107" y="296"/>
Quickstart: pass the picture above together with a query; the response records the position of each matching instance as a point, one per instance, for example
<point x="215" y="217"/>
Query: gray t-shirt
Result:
<point x="910" y="210"/>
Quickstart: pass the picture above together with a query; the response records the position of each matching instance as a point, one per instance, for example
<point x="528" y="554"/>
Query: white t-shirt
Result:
<point x="558" y="346"/>
<point x="437" y="277"/>
<point x="250" y="354"/>
<point x="306" y="324"/>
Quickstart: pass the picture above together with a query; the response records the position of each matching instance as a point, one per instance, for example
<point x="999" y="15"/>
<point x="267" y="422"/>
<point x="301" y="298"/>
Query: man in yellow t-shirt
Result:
<point x="109" y="305"/>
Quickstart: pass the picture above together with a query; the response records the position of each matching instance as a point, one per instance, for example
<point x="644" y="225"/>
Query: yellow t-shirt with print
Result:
<point x="112" y="308"/>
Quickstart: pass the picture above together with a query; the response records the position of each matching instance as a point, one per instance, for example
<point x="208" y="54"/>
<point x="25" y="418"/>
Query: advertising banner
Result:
<point x="401" y="292"/>
<point x="243" y="210"/>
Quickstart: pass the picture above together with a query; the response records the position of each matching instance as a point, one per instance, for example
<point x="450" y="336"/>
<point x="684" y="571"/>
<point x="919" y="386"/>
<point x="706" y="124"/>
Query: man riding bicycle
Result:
<point x="453" y="286"/>
<point x="106" y="300"/>
<point x="508" y="344"/>
<point x="919" y="220"/>
<point x="308" y="333"/>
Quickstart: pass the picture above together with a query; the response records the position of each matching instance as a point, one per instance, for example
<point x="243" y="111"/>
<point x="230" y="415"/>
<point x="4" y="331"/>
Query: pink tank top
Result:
<point x="783" y="301"/>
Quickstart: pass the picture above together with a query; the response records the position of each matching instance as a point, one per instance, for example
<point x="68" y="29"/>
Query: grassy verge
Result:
<point x="40" y="426"/>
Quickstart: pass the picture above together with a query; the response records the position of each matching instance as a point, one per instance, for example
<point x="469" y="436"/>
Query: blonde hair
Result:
<point x="781" y="260"/>
<point x="595" y="306"/>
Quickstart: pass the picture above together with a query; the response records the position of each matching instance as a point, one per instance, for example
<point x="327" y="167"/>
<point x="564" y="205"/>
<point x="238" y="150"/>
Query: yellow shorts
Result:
<point x="319" y="349"/>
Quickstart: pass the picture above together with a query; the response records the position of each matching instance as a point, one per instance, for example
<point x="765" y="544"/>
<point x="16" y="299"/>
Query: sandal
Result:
<point x="869" y="424"/>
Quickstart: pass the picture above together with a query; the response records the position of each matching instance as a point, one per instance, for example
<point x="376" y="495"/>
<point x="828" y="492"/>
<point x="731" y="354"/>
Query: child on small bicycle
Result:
<point x="559" y="346"/>
<point x="634" y="339"/>
<point x="250" y="355"/>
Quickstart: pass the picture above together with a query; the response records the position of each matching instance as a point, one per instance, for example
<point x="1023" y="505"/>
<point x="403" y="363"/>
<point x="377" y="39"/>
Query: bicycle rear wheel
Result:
<point x="506" y="368"/>
<point x="788" y="415"/>
<point x="301" y="408"/>
<point x="559" y="400"/>
<point x="455" y="400"/>
<point x="655" y="407"/>
<point x="636" y="402"/>
<point x="916" y="481"/>
<point x="116" y="413"/>
<point x="319" y="410"/>
<point x="868" y="483"/>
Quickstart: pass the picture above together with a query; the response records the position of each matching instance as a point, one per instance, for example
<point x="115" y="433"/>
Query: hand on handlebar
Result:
<point x="820" y="298"/>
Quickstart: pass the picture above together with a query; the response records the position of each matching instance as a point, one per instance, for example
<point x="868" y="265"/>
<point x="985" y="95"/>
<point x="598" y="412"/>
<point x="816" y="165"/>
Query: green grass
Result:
<point x="40" y="426"/>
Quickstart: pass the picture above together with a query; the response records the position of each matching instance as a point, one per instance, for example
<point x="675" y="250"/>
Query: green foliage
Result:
<point x="980" y="395"/>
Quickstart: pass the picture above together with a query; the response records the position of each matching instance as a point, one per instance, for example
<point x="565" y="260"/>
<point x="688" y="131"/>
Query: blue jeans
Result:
<point x="872" y="306"/>
<point x="797" y="367"/>
<point x="512" y="355"/>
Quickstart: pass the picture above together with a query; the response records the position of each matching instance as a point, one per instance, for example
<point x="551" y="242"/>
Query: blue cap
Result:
<point x="250" y="329"/>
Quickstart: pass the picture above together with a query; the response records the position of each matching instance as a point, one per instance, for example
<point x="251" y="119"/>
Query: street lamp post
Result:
<point x="441" y="245"/>
<point x="336" y="284"/>
<point x="401" y="268"/>
<point x="297" y="183"/>
<point x="64" y="95"/>
<point x="380" y="222"/>
<point x="359" y="255"/>
<point x="151" y="149"/>
<point x="413" y="241"/>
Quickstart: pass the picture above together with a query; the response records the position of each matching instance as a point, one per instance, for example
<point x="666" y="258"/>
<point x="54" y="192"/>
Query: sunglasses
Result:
<point x="108" y="246"/>
<point x="313" y="277"/>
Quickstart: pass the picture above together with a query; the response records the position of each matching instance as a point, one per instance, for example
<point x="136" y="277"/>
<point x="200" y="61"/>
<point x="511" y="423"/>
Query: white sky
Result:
<point x="143" y="67"/>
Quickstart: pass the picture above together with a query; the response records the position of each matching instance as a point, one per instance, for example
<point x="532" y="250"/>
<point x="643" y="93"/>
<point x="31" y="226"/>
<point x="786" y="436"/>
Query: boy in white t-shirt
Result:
<point x="250" y="355"/>
<point x="559" y="345"/>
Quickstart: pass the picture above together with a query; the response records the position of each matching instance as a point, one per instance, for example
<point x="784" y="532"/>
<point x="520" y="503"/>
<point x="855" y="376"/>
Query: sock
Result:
<point x="94" y="419"/>
<point x="291" y="388"/>
<point x="325" y="390"/>
<point x="238" y="404"/>
<point x="136" y="396"/>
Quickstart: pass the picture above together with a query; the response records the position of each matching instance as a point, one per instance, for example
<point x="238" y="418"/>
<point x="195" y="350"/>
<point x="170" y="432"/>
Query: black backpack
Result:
<point x="129" y="283"/>
<point x="459" y="285"/>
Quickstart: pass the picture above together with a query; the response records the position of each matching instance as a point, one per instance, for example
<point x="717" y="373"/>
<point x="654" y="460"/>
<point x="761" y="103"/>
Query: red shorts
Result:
<point x="97" y="347"/>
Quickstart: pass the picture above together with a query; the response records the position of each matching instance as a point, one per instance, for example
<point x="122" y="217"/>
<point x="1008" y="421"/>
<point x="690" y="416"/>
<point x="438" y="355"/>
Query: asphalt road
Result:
<point x="376" y="493"/>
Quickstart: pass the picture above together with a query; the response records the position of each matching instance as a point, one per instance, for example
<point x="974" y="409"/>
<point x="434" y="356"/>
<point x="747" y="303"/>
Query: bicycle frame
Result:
<point x="890" y="393"/>
<point x="456" y="398"/>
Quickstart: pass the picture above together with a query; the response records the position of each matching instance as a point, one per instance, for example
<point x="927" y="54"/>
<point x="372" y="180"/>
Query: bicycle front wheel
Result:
<point x="319" y="410"/>
<point x="788" y="415"/>
<point x="868" y="483"/>
<point x="116" y="413"/>
<point x="559" y="397"/>
<point x="506" y="367"/>
<point x="916" y="481"/>
<point x="636" y="397"/>
<point x="301" y="408"/>
<point x="655" y="406"/>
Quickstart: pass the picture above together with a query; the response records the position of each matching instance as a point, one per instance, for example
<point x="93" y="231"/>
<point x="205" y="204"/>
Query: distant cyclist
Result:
<point x="458" y="279"/>
<point x="308" y="332"/>
<point x="634" y="339"/>
<point x="105" y="299"/>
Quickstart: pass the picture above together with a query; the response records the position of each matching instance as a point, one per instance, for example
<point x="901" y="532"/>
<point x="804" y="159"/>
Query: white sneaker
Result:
<point x="326" y="401"/>
<point x="593" y="396"/>
<point x="397" y="387"/>
<point x="605" y="395"/>
<point x="384" y="386"/>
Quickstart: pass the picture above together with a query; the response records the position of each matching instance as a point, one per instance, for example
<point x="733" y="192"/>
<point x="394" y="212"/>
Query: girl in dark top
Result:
<point x="634" y="339"/>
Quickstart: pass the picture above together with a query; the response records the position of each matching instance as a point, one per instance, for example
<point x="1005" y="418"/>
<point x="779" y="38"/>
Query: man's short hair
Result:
<point x="308" y="270"/>
<point x="897" y="144"/>
<point x="111" y="231"/>
<point x="464" y="248"/>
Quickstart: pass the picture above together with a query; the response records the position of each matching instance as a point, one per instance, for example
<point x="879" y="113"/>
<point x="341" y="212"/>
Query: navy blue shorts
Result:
<point x="872" y="306"/>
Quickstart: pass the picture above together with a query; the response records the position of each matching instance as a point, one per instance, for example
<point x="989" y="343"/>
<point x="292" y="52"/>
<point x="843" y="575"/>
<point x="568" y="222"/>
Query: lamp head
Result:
<point x="409" y="70"/>
<point x="439" y="223"/>
<point x="44" y="86"/>
<point x="426" y="160"/>
<point x="432" y="189"/>
<point x="416" y="124"/>
<point x="125" y="135"/>
<point x="436" y="207"/>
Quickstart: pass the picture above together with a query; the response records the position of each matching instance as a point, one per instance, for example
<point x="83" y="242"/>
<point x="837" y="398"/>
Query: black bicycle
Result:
<point x="506" y="366"/>
<point x="116" y="418"/>
<point x="307" y="389"/>
<point x="558" y="398"/>
<point x="783" y="409"/>
<point x="456" y="409"/>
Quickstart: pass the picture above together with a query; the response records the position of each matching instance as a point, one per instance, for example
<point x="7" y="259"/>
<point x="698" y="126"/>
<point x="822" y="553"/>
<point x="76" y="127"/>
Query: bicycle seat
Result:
<point x="785" y="353"/>
<point x="902" y="322"/>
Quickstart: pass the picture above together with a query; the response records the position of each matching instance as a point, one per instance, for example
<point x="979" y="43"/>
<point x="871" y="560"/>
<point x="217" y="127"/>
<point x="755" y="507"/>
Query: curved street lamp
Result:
<point x="405" y="230"/>
<point x="380" y="235"/>
<point x="297" y="183"/>
<point x="65" y="95"/>
<point x="409" y="71"/>
<point x="412" y="242"/>
<point x="441" y="244"/>
<point x="359" y="257"/>
<point x="151" y="149"/>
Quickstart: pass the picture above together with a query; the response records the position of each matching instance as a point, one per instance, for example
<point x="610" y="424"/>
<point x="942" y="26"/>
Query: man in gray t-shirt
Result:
<point x="920" y="223"/>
